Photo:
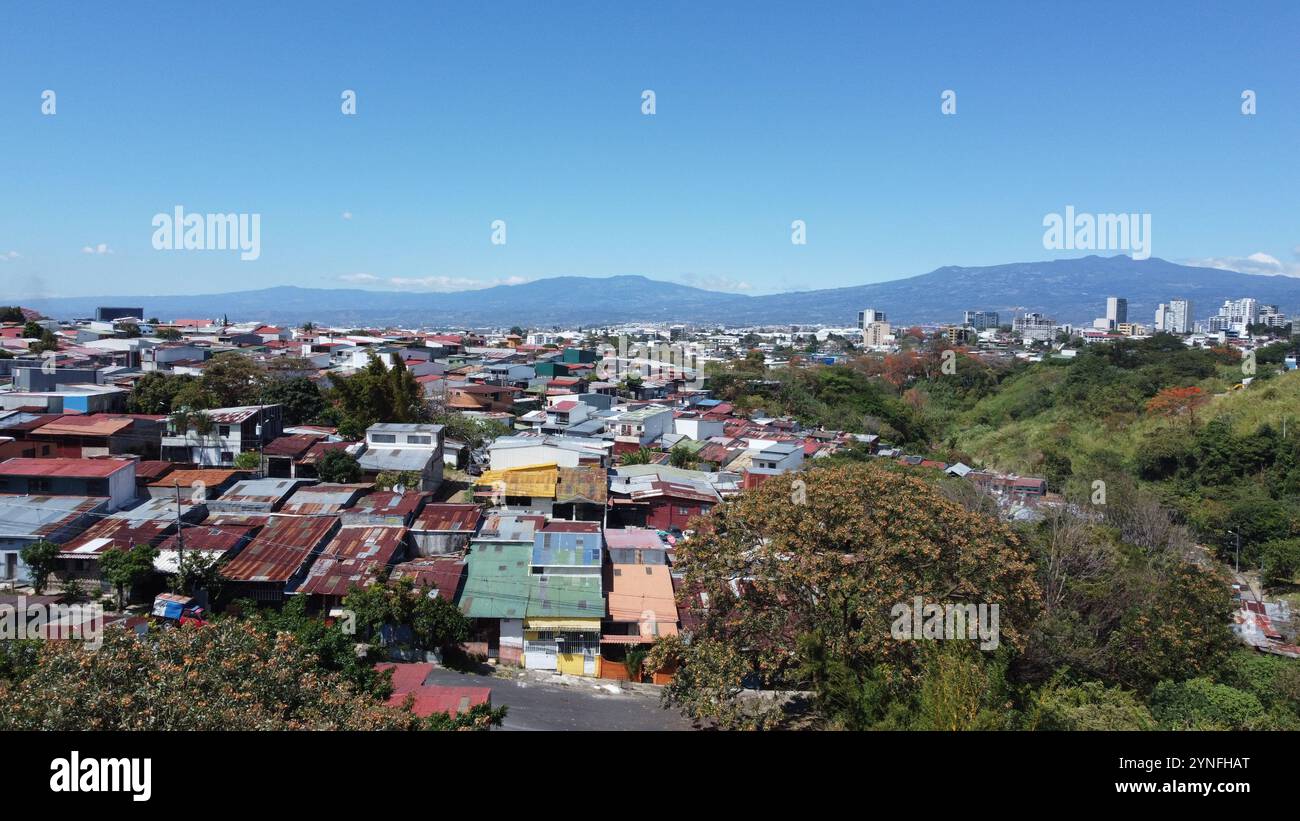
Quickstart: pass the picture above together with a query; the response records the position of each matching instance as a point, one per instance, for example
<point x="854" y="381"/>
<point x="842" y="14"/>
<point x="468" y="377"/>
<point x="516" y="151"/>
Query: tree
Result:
<point x="433" y="622"/>
<point x="232" y="379"/>
<point x="299" y="399"/>
<point x="12" y="313"/>
<point x="338" y="466"/>
<point x="169" y="334"/>
<point x="1280" y="561"/>
<point x="640" y="456"/>
<point x="156" y="392"/>
<point x="682" y="457"/>
<point x="125" y="568"/>
<point x="247" y="460"/>
<point x="389" y="479"/>
<point x="377" y="393"/>
<point x="33" y="329"/>
<point x="1088" y="706"/>
<point x="227" y="675"/>
<point x="1201" y="704"/>
<point x="1175" y="402"/>
<point x="828" y="555"/>
<point x="42" y="559"/>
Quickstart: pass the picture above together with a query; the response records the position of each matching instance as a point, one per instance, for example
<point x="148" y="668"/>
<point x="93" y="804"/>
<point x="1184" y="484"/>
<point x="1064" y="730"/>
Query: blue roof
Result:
<point x="567" y="550"/>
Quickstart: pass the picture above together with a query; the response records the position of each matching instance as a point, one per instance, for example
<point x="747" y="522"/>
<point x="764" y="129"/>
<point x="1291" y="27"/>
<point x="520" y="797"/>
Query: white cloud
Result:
<point x="710" y="282"/>
<point x="8" y="256"/>
<point x="432" y="283"/>
<point x="1257" y="263"/>
<point x="347" y="215"/>
<point x="98" y="250"/>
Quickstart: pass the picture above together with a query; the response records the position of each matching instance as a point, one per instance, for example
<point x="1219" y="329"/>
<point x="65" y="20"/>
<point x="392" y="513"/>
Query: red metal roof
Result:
<point x="431" y="699"/>
<point x="280" y="550"/>
<point x="123" y="534"/>
<point x="351" y="559"/>
<point x="293" y="446"/>
<point x="441" y="573"/>
<point x="76" y="468"/>
<point x="460" y="518"/>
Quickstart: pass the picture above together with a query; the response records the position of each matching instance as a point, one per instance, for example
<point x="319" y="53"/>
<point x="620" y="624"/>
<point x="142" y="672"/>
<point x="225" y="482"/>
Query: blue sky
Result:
<point x="531" y="113"/>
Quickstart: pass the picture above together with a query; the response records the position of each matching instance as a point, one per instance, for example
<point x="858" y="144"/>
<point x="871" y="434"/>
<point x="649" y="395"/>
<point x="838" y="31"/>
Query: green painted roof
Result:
<point x="496" y="581"/>
<point x="569" y="596"/>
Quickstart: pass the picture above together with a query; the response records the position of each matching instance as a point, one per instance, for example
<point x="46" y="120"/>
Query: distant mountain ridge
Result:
<point x="1069" y="290"/>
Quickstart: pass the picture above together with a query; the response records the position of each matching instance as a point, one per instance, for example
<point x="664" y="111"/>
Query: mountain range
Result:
<point x="1069" y="290"/>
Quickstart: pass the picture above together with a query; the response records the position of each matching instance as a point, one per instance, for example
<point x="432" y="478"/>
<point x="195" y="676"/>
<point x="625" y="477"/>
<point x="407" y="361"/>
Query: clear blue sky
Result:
<point x="531" y="113"/>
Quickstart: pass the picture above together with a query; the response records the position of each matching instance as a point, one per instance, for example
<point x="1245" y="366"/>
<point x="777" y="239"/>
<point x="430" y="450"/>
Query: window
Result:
<point x="413" y="439"/>
<point x="223" y="430"/>
<point x="384" y="438"/>
<point x="683" y="511"/>
<point x="227" y="456"/>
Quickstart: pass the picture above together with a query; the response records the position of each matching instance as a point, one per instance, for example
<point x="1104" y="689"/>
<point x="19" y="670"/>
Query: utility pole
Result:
<point x="180" y="536"/>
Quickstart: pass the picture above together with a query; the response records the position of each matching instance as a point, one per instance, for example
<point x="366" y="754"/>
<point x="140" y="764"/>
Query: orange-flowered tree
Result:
<point x="1174" y="402"/>
<point x="801" y="576"/>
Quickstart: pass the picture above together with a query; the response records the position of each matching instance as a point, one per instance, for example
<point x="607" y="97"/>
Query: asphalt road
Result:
<point x="538" y="702"/>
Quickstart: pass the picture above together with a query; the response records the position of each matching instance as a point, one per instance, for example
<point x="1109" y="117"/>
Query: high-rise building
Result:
<point x="1035" y="326"/>
<point x="868" y="316"/>
<point x="1116" y="310"/>
<point x="1236" y="315"/>
<point x="1174" y="317"/>
<point x="1181" y="319"/>
<point x="877" y="334"/>
<point x="981" y="320"/>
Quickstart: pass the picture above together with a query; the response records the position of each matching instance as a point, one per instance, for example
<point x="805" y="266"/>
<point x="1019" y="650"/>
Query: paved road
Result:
<point x="541" y="702"/>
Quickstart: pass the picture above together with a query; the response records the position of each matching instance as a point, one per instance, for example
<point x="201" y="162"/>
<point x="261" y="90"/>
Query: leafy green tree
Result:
<point x="377" y="393"/>
<point x="42" y="559"/>
<point x="389" y="479"/>
<point x="1087" y="706"/>
<point x="232" y="379"/>
<point x="299" y="399"/>
<point x="338" y="466"/>
<point x="434" y="622"/>
<point x="641" y="456"/>
<point x="156" y="392"/>
<point x="682" y="457"/>
<point x="247" y="460"/>
<point x="125" y="568"/>
<point x="11" y="313"/>
<point x="33" y="329"/>
<point x="1201" y="704"/>
<point x="1280" y="560"/>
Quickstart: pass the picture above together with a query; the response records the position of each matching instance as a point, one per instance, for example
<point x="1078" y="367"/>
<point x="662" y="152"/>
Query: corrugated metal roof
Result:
<point x="441" y="573"/>
<point x="527" y="480"/>
<point x="576" y="596"/>
<point x="567" y="550"/>
<point x="75" y="468"/>
<point x="455" y="518"/>
<point x="123" y="534"/>
<point x="281" y="549"/>
<point x="496" y="581"/>
<point x="324" y="498"/>
<point x="582" y="484"/>
<point x="43" y="515"/>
